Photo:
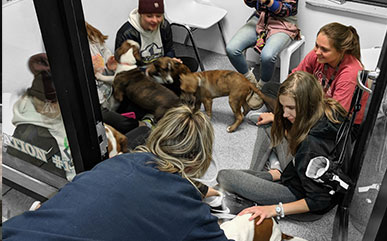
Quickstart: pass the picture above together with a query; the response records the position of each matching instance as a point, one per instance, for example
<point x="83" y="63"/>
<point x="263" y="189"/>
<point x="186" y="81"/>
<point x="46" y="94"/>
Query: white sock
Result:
<point x="260" y="83"/>
<point x="251" y="77"/>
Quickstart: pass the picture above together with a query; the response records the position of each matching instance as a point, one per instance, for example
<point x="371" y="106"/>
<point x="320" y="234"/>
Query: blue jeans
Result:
<point x="246" y="37"/>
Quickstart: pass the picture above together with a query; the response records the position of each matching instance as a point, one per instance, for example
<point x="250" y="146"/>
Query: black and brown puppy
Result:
<point x="144" y="92"/>
<point x="166" y="71"/>
<point x="206" y="85"/>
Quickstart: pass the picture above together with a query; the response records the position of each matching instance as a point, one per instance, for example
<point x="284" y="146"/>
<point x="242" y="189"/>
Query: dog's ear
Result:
<point x="120" y="51"/>
<point x="150" y="69"/>
<point x="156" y="64"/>
<point x="123" y="141"/>
<point x="136" y="54"/>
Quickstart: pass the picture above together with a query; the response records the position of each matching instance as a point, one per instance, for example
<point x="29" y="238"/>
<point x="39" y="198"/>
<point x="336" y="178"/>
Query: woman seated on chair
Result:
<point x="309" y="122"/>
<point x="280" y="20"/>
<point x="147" y="26"/>
<point x="150" y="194"/>
<point x="335" y="62"/>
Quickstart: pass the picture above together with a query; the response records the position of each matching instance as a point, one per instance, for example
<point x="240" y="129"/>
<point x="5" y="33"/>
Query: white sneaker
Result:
<point x="253" y="117"/>
<point x="214" y="201"/>
<point x="35" y="205"/>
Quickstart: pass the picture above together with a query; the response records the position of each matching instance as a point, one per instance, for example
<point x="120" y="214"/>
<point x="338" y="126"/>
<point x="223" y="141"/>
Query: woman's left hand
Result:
<point x="261" y="211"/>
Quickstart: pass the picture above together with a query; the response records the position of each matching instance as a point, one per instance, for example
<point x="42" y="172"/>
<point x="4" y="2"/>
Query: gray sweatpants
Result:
<point x="254" y="183"/>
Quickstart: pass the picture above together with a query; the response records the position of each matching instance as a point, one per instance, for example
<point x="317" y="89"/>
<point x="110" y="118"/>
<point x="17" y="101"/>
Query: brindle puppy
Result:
<point x="206" y="85"/>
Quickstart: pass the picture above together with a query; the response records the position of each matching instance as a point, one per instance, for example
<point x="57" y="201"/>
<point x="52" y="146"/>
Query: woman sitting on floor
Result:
<point x="309" y="122"/>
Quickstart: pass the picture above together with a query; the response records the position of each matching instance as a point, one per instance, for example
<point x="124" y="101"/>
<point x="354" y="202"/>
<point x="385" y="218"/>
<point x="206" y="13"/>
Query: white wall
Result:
<point x="108" y="17"/>
<point x="310" y="19"/>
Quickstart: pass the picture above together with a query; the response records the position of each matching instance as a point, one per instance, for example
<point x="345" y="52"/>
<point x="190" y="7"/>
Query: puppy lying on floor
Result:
<point x="144" y="92"/>
<point x="202" y="87"/>
<point x="241" y="229"/>
<point x="131" y="82"/>
<point x="166" y="71"/>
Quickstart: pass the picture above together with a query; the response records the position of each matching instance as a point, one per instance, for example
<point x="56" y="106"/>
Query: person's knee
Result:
<point x="232" y="50"/>
<point x="268" y="57"/>
<point x="223" y="178"/>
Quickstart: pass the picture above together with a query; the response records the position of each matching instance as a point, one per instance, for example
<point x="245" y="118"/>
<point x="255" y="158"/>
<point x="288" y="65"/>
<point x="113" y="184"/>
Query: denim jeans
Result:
<point x="246" y="37"/>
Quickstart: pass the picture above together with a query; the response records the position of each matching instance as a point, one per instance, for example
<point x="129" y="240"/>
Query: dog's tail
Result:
<point x="269" y="101"/>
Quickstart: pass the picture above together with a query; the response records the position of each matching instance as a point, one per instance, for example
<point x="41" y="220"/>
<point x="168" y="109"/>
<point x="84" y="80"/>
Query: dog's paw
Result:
<point x="230" y="129"/>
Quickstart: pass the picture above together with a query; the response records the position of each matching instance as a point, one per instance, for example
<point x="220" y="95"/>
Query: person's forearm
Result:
<point x="282" y="9"/>
<point x="299" y="206"/>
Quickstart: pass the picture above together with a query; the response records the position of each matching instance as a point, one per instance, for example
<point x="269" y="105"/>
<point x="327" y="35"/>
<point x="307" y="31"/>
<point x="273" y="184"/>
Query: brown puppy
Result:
<point x="269" y="229"/>
<point x="166" y="71"/>
<point x="144" y="92"/>
<point x="206" y="85"/>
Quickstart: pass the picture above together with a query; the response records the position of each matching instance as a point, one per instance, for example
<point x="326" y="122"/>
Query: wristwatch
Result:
<point x="279" y="209"/>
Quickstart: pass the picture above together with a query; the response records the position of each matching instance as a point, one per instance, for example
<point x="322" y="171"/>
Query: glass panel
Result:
<point x="33" y="129"/>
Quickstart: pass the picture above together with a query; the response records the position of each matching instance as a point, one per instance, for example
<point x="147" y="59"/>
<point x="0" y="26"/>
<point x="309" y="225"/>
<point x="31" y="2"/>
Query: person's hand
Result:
<point x="261" y="211"/>
<point x="265" y="118"/>
<point x="111" y="63"/>
<point x="177" y="60"/>
<point x="98" y="63"/>
<point x="275" y="173"/>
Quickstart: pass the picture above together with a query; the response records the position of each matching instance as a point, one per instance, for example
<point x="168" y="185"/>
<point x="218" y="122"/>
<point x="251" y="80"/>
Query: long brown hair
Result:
<point x="311" y="105"/>
<point x="343" y="38"/>
<point x="94" y="35"/>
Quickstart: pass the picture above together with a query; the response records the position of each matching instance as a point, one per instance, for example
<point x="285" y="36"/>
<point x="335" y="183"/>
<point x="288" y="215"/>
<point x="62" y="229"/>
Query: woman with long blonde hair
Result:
<point x="309" y="123"/>
<point x="149" y="194"/>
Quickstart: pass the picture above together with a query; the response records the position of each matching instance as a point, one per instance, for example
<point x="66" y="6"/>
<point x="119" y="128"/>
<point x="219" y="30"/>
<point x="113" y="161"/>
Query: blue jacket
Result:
<point x="123" y="198"/>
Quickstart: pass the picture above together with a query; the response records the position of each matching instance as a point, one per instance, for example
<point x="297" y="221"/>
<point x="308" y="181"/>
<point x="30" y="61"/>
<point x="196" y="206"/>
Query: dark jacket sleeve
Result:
<point x="127" y="31"/>
<point x="278" y="9"/>
<point x="167" y="39"/>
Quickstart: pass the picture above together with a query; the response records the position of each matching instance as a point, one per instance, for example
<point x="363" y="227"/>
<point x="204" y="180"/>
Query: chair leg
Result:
<point x="194" y="47"/>
<point x="340" y="224"/>
<point x="221" y="33"/>
<point x="187" y="36"/>
<point x="285" y="62"/>
<point x="186" y="39"/>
